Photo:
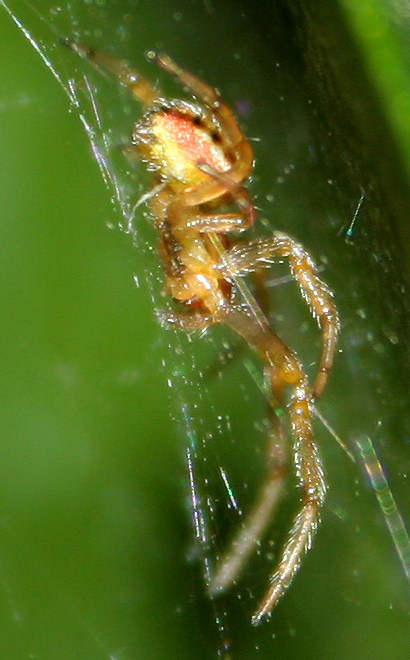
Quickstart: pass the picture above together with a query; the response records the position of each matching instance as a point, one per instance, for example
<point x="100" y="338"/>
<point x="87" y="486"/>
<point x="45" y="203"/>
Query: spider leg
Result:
<point x="309" y="471"/>
<point x="254" y="525"/>
<point x="241" y="260"/>
<point x="191" y="224"/>
<point x="137" y="84"/>
<point x="286" y="373"/>
<point x="241" y="195"/>
<point x="195" y="85"/>
<point x="190" y="221"/>
<point x="218" y="186"/>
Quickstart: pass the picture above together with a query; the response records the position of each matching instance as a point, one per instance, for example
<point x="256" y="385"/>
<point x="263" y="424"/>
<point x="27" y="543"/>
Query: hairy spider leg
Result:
<point x="138" y="85"/>
<point x="190" y="223"/>
<point x="247" y="539"/>
<point x="243" y="259"/>
<point x="240" y="195"/>
<point x="252" y="527"/>
<point x="186" y="221"/>
<point x="202" y="223"/>
<point x="285" y="373"/>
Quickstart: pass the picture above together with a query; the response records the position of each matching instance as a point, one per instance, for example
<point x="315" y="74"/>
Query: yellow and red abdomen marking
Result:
<point x="180" y="145"/>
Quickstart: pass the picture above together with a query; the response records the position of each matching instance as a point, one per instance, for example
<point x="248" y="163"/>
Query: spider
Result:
<point x="200" y="160"/>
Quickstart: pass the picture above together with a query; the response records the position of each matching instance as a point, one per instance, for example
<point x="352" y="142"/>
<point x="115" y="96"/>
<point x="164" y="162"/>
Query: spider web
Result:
<point x="223" y="473"/>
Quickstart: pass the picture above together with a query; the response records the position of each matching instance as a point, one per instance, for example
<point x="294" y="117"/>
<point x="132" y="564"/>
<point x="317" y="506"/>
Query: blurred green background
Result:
<point x="96" y="542"/>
